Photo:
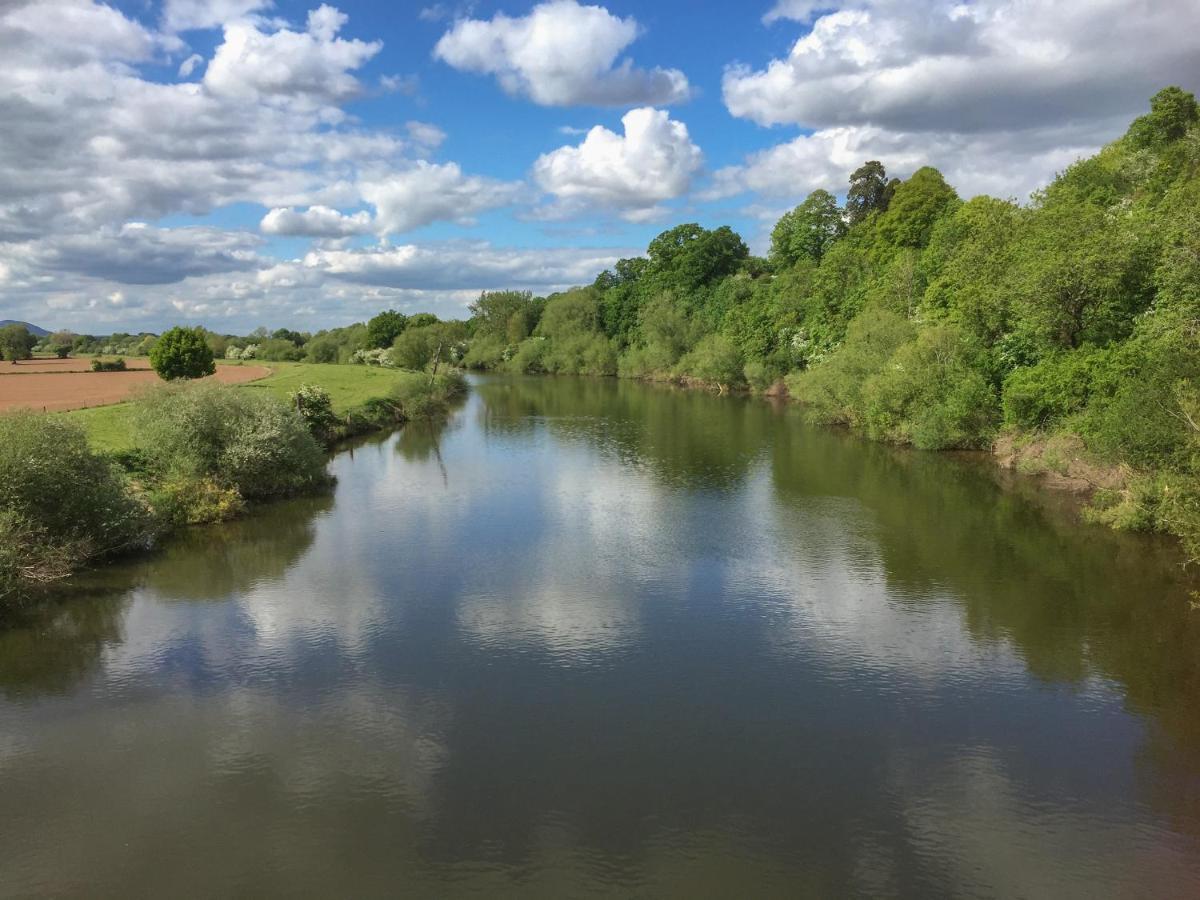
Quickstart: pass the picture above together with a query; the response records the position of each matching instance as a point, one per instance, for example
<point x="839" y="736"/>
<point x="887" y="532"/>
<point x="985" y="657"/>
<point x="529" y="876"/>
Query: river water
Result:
<point x="596" y="638"/>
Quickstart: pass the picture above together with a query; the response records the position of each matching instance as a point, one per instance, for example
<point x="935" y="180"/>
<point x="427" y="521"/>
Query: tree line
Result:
<point x="923" y="318"/>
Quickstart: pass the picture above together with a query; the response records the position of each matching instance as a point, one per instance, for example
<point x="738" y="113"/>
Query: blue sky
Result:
<point x="245" y="162"/>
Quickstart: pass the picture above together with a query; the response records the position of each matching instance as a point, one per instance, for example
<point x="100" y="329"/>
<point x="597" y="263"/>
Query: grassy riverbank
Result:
<point x="109" y="428"/>
<point x="77" y="488"/>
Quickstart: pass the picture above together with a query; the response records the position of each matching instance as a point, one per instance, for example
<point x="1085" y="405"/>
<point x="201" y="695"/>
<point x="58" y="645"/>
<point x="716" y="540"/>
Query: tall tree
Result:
<point x="868" y="191"/>
<point x="383" y="329"/>
<point x="808" y="230"/>
<point x="16" y="343"/>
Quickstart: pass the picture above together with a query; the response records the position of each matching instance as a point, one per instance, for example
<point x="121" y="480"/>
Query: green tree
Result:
<point x="16" y="343"/>
<point x="808" y="230"/>
<point x="917" y="205"/>
<point x="1172" y="112"/>
<point x="503" y="315"/>
<point x="182" y="353"/>
<point x="868" y="191"/>
<point x="688" y="256"/>
<point x="383" y="329"/>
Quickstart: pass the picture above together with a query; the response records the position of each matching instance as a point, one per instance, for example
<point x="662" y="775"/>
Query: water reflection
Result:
<point x="598" y="636"/>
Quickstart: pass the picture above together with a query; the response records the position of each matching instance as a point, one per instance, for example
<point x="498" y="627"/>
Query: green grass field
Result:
<point x="108" y="427"/>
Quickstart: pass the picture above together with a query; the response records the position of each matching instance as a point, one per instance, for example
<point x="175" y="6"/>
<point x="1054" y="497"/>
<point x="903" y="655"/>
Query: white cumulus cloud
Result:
<point x="632" y="173"/>
<point x="311" y="67"/>
<point x="428" y="192"/>
<point x="997" y="93"/>
<point x="561" y="54"/>
<point x="316" y="221"/>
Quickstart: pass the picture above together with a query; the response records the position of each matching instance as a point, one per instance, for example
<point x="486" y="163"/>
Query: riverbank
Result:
<point x="77" y="489"/>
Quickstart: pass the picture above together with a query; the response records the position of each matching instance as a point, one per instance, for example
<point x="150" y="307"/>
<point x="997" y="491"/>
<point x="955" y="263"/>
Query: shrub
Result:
<point x="182" y="353"/>
<point x="652" y="361"/>
<point x="238" y="438"/>
<point x="833" y="389"/>
<point x="279" y="350"/>
<point x="932" y="394"/>
<point x="714" y="360"/>
<point x="61" y="504"/>
<point x="315" y="407"/>
<point x="109" y="365"/>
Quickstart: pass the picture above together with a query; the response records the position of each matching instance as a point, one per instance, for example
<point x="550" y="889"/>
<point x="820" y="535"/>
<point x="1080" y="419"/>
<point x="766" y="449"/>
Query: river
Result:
<point x="597" y="638"/>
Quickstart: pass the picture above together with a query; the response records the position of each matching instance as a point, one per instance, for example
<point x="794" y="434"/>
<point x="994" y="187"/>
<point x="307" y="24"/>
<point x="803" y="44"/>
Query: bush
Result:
<point x="182" y="353"/>
<point x="238" y="438"/>
<point x="315" y="407"/>
<point x="932" y="394"/>
<point x="833" y="389"/>
<point x="419" y="398"/>
<point x="109" y="365"/>
<point x="61" y="504"/>
<point x="714" y="360"/>
<point x="279" y="350"/>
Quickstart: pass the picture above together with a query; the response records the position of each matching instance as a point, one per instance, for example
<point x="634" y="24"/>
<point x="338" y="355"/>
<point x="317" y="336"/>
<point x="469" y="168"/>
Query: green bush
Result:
<point x="182" y="353"/>
<point x="833" y="389"/>
<point x="652" y="361"/>
<point x="932" y="393"/>
<point x="61" y="504"/>
<point x="714" y="360"/>
<point x="237" y="437"/>
<point x="315" y="407"/>
<point x="109" y="365"/>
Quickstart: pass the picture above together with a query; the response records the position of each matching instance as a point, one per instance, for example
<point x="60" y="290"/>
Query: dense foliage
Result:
<point x="240" y="439"/>
<point x="182" y="353"/>
<point x="925" y="319"/>
<point x="61" y="504"/>
<point x="16" y="343"/>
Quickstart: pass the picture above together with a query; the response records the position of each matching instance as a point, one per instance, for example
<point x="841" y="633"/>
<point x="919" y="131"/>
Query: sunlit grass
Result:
<point x="109" y="427"/>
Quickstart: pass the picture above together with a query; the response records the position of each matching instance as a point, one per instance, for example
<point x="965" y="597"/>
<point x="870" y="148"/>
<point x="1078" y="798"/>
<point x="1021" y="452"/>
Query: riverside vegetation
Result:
<point x="197" y="453"/>
<point x="1064" y="333"/>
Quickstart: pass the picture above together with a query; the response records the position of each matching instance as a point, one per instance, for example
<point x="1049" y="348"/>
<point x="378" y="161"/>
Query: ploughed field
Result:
<point x="55" y="385"/>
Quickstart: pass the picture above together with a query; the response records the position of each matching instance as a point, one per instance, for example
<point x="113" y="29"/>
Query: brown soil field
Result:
<point x="27" y="366"/>
<point x="62" y="389"/>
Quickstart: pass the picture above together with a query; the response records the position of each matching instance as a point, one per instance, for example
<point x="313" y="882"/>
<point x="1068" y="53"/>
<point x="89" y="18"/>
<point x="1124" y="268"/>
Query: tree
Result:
<point x="688" y="256"/>
<point x="807" y="230"/>
<point x="1172" y="112"/>
<point x="16" y="343"/>
<point x="383" y="329"/>
<point x="422" y="320"/>
<point x="868" y="191"/>
<point x="916" y="206"/>
<point x="182" y="353"/>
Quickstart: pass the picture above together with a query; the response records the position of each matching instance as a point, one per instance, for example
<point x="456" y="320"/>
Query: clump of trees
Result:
<point x="61" y="504"/>
<point x="182" y="353"/>
<point x="16" y="343"/>
<point x="926" y="319"/>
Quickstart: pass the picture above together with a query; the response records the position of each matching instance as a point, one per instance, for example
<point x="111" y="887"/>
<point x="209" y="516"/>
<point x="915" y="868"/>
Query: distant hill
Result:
<point x="33" y="329"/>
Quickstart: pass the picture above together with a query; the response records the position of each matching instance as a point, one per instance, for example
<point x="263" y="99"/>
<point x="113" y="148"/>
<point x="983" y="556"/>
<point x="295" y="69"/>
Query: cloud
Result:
<point x="797" y="10"/>
<point x="88" y="143"/>
<point x="463" y="266"/>
<point x="429" y="192"/>
<point x="189" y="15"/>
<point x="1000" y="165"/>
<point x="312" y="67"/>
<point x="631" y="173"/>
<point x="139" y="254"/>
<point x="561" y="54"/>
<point x="988" y="66"/>
<point x="189" y="65"/>
<point x="316" y="221"/>
<point x="997" y="93"/>
<point x="425" y="135"/>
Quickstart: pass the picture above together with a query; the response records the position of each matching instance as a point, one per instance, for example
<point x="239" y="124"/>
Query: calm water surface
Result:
<point x="597" y="638"/>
